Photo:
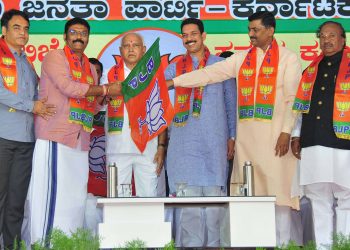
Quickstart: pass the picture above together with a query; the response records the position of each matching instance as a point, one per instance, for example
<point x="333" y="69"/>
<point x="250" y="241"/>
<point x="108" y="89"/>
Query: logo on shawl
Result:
<point x="345" y="86"/>
<point x="343" y="107"/>
<point x="247" y="73"/>
<point x="267" y="71"/>
<point x="115" y="103"/>
<point x="266" y="90"/>
<point x="306" y="86"/>
<point x="154" y="112"/>
<point x="246" y="92"/>
<point x="310" y="71"/>
<point x="76" y="74"/>
<point x="89" y="80"/>
<point x="7" y="61"/>
<point x="10" y="80"/>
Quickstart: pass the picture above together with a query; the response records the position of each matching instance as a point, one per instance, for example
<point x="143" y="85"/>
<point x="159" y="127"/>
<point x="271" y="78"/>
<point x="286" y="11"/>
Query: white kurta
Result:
<point x="256" y="140"/>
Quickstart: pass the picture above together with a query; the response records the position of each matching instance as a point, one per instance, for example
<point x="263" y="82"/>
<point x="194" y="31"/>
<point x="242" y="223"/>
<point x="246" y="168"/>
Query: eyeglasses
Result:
<point x="76" y="33"/>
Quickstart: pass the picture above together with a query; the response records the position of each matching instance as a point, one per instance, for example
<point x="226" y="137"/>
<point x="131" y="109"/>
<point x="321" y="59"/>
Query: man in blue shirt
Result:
<point x="18" y="89"/>
<point x="201" y="138"/>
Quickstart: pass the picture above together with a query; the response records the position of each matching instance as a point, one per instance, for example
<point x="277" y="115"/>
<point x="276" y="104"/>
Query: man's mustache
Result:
<point x="192" y="41"/>
<point x="78" y="41"/>
<point x="252" y="37"/>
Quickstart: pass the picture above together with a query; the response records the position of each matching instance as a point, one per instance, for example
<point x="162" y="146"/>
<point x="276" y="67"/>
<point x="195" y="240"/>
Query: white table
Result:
<point x="251" y="220"/>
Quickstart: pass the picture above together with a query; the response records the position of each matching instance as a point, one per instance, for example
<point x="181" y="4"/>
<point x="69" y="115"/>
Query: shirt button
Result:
<point x="318" y="117"/>
<point x="323" y="88"/>
<point x="325" y="75"/>
<point x="320" y="103"/>
<point x="329" y="64"/>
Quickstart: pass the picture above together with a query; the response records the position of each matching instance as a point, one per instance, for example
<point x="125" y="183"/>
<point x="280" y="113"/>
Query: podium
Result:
<point x="250" y="223"/>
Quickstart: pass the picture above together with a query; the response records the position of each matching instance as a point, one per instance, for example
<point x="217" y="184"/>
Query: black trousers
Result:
<point x="15" y="171"/>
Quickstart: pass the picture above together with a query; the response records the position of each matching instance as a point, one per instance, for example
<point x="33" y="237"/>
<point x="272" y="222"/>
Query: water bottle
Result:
<point x="248" y="177"/>
<point x="112" y="180"/>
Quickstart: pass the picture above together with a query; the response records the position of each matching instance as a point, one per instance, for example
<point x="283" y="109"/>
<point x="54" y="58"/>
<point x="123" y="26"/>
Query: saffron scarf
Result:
<point x="183" y="95"/>
<point x="341" y="107"/>
<point x="81" y="109"/>
<point x="259" y="105"/>
<point x="115" y="106"/>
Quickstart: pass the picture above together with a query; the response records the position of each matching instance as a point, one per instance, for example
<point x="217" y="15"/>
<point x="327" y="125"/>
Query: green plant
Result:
<point x="82" y="239"/>
<point x="135" y="244"/>
<point x="341" y="242"/>
<point x="170" y="245"/>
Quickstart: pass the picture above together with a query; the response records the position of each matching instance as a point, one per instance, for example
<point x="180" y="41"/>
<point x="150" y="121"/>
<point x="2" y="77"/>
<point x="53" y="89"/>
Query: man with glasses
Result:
<point x="120" y="148"/>
<point x="18" y="94"/>
<point x="267" y="78"/>
<point x="58" y="187"/>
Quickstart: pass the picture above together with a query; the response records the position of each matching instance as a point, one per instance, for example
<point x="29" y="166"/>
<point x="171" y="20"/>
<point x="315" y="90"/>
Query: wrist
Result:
<point x="104" y="90"/>
<point x="161" y="145"/>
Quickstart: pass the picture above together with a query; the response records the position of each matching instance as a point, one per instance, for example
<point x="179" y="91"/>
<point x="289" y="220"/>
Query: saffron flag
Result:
<point x="146" y="98"/>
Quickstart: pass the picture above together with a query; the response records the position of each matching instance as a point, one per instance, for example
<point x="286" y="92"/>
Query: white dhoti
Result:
<point x="57" y="192"/>
<point x="324" y="175"/>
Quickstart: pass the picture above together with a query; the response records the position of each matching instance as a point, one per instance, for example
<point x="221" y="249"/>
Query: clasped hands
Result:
<point x="114" y="89"/>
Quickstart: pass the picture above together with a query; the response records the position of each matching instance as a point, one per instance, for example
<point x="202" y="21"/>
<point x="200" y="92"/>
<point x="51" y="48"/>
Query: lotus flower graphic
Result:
<point x="154" y="112"/>
<point x="97" y="158"/>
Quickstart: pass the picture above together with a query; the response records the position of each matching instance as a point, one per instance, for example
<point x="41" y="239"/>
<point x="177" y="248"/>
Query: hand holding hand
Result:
<point x="115" y="88"/>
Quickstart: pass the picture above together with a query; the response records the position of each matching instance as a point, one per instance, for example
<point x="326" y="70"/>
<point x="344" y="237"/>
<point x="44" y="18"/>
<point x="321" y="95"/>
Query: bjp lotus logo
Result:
<point x="90" y="98"/>
<point x="115" y="103"/>
<point x="310" y="70"/>
<point x="306" y="86"/>
<point x="246" y="92"/>
<point x="247" y="73"/>
<point x="182" y="99"/>
<point x="345" y="87"/>
<point x="90" y="80"/>
<point x="154" y="112"/>
<point x="343" y="107"/>
<point x="265" y="90"/>
<point x="76" y="74"/>
<point x="7" y="61"/>
<point x="10" y="80"/>
<point x="267" y="71"/>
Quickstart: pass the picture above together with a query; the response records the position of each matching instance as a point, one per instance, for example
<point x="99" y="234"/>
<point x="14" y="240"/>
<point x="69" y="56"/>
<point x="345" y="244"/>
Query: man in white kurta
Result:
<point x="325" y="154"/>
<point x="120" y="148"/>
<point x="264" y="143"/>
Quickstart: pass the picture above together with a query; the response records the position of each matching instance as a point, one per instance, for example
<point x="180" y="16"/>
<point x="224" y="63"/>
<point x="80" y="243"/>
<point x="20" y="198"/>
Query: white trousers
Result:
<point x="57" y="191"/>
<point x="288" y="226"/>
<point x="323" y="197"/>
<point x="144" y="173"/>
<point x="200" y="227"/>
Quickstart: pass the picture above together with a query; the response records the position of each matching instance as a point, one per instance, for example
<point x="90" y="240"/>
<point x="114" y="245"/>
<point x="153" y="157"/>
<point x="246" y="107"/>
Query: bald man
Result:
<point x="120" y="148"/>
